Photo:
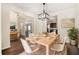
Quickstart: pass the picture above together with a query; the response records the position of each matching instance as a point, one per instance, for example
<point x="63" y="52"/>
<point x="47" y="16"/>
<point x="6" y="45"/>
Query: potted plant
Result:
<point x="72" y="33"/>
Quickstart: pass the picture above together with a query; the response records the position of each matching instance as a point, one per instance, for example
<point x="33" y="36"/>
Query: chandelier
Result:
<point x="44" y="15"/>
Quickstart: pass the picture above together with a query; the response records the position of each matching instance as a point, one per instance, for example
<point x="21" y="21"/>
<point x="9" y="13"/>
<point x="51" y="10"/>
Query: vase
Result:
<point x="73" y="42"/>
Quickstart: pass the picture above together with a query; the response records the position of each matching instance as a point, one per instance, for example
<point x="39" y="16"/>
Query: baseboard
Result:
<point x="78" y="46"/>
<point x="6" y="47"/>
<point x="0" y="53"/>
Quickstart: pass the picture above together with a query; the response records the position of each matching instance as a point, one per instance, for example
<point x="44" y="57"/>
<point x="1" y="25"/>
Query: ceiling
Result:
<point x="36" y="8"/>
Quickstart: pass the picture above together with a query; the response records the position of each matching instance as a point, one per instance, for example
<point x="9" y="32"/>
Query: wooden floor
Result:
<point x="72" y="50"/>
<point x="16" y="48"/>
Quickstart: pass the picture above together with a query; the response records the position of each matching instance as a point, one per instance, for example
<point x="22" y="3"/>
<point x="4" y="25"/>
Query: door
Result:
<point x="28" y="29"/>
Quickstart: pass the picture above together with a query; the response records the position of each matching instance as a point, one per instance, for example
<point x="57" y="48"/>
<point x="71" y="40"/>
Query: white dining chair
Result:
<point x="29" y="48"/>
<point x="58" y="47"/>
<point x="59" y="40"/>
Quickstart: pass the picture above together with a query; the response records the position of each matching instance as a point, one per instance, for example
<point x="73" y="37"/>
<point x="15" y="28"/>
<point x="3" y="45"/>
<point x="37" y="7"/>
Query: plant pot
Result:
<point x="73" y="42"/>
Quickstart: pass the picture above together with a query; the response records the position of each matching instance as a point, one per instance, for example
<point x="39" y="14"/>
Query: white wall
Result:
<point x="5" y="27"/>
<point x="62" y="14"/>
<point x="77" y="19"/>
<point x="13" y="18"/>
<point x="39" y="26"/>
<point x="0" y="29"/>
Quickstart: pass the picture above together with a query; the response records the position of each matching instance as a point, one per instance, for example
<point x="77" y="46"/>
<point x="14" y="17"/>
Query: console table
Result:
<point x="13" y="35"/>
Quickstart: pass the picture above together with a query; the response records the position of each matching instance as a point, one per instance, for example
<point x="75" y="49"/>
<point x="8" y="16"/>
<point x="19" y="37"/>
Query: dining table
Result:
<point x="45" y="41"/>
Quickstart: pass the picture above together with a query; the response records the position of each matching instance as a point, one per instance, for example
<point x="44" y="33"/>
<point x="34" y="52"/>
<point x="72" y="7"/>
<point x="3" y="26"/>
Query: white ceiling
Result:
<point x="36" y="8"/>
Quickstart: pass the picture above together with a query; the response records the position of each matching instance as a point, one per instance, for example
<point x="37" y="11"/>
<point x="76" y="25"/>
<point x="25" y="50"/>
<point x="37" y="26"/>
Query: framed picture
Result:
<point x="68" y="22"/>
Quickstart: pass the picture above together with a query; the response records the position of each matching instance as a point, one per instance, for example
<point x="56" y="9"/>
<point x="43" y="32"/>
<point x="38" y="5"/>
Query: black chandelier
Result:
<point x="44" y="15"/>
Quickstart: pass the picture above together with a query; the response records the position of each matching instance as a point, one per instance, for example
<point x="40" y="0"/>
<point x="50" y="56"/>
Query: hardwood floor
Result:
<point x="16" y="48"/>
<point x="72" y="50"/>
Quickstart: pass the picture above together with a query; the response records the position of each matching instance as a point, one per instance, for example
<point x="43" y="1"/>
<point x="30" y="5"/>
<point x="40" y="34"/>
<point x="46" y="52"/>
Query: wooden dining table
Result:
<point x="45" y="41"/>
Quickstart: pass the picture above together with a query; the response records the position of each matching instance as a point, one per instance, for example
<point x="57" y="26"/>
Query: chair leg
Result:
<point x="35" y="50"/>
<point x="29" y="53"/>
<point x="54" y="52"/>
<point x="60" y="53"/>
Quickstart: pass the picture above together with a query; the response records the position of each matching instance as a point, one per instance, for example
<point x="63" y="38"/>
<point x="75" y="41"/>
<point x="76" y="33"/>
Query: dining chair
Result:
<point x="29" y="48"/>
<point x="58" y="47"/>
<point x="59" y="40"/>
<point x="52" y="34"/>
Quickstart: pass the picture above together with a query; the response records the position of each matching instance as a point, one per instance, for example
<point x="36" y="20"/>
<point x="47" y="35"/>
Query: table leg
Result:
<point x="47" y="50"/>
